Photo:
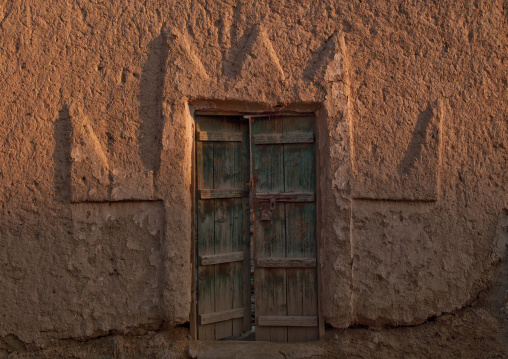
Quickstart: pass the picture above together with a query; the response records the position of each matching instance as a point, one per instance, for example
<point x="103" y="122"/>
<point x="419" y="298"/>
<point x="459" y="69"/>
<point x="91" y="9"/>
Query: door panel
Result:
<point x="283" y="155"/>
<point x="222" y="227"/>
<point x="270" y="283"/>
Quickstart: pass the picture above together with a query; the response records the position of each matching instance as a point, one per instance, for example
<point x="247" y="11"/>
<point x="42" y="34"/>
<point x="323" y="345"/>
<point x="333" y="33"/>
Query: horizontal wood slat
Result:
<point x="210" y="259"/>
<point x="219" y="136"/>
<point x="222" y="193"/>
<point x="221" y="316"/>
<point x="282" y="138"/>
<point x="287" y="321"/>
<point x="286" y="197"/>
<point x="286" y="262"/>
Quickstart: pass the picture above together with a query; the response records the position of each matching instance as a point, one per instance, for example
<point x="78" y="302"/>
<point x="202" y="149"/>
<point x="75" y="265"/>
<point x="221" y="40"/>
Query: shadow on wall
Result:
<point x="62" y="130"/>
<point x="150" y="103"/>
<point x="418" y="141"/>
<point x="326" y="50"/>
<point x="238" y="52"/>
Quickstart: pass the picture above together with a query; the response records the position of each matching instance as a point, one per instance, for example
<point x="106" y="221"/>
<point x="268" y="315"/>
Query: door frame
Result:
<point x="248" y="110"/>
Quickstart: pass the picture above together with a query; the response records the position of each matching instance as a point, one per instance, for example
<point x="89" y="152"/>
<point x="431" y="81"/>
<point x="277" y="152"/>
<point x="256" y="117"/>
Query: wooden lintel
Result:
<point x="219" y="136"/>
<point x="283" y="138"/>
<point x="222" y="193"/>
<point x="221" y="316"/>
<point x="211" y="259"/>
<point x="286" y="262"/>
<point x="218" y="113"/>
<point x="287" y="321"/>
<point x="286" y="197"/>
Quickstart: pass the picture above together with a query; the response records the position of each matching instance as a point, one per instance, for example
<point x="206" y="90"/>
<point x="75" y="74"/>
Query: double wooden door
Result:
<point x="256" y="183"/>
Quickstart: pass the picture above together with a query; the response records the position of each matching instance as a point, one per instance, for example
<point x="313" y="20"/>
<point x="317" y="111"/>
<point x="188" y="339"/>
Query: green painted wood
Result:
<point x="222" y="193"/>
<point x="205" y="238"/>
<point x="267" y="161"/>
<point x="299" y="168"/>
<point x="289" y="321"/>
<point x="212" y="259"/>
<point x="222" y="316"/>
<point x="219" y="136"/>
<point x="281" y="138"/>
<point x="238" y="237"/>
<point x="285" y="173"/>
<point x="242" y="280"/>
<point x="284" y="183"/>
<point x="225" y="176"/>
<point x="286" y="262"/>
<point x="269" y="236"/>
<point x="302" y="282"/>
<point x="220" y="173"/>
<point x="286" y="197"/>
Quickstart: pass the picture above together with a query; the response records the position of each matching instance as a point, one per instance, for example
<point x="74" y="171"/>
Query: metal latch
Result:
<point x="266" y="209"/>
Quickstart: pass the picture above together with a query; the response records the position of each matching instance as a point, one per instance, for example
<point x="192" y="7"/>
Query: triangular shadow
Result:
<point x="179" y="43"/>
<point x="321" y="57"/>
<point x="253" y="53"/>
<point x="150" y="94"/>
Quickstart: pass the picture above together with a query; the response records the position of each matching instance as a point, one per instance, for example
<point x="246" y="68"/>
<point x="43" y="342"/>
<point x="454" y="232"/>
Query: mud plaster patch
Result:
<point x="117" y="256"/>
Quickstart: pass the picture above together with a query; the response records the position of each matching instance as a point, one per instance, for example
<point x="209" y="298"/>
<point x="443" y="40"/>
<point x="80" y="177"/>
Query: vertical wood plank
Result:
<point x="225" y="174"/>
<point x="268" y="161"/>
<point x="294" y="279"/>
<point x="270" y="236"/>
<point x="238" y="234"/>
<point x="245" y="237"/>
<point x="299" y="168"/>
<point x="295" y="303"/>
<point x="271" y="282"/>
<point x="299" y="159"/>
<point x="310" y="299"/>
<point x="302" y="282"/>
<point x="206" y="274"/>
<point x="205" y="238"/>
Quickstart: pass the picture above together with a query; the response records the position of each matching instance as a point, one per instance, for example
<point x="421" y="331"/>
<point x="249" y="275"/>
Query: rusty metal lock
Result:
<point x="266" y="210"/>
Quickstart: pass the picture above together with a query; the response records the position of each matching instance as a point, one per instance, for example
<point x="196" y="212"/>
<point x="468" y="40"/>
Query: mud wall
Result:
<point x="96" y="164"/>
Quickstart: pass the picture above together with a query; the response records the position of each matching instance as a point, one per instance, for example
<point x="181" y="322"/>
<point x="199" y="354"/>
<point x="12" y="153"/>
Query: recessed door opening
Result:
<point x="256" y="267"/>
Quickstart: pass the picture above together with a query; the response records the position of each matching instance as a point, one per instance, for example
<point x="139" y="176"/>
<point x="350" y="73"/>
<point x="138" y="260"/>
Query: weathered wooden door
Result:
<point x="222" y="174"/>
<point x="270" y="160"/>
<point x="283" y="162"/>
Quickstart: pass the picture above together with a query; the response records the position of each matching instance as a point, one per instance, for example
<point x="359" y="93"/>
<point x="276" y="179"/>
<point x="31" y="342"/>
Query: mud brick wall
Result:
<point x="96" y="134"/>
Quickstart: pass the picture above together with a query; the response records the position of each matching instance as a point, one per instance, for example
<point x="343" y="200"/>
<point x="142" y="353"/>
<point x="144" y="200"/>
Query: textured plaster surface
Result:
<point x="96" y="166"/>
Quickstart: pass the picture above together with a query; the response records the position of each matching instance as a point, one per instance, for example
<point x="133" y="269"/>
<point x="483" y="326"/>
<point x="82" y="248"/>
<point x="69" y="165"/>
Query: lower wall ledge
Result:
<point x="468" y="333"/>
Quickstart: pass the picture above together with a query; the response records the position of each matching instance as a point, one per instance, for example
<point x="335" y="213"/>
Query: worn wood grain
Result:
<point x="285" y="196"/>
<point x="244" y="240"/>
<point x="270" y="283"/>
<point x="221" y="316"/>
<point x="217" y="136"/>
<point x="225" y="176"/>
<point x="286" y="262"/>
<point x="222" y="193"/>
<point x="283" y="183"/>
<point x="282" y="138"/>
<point x="221" y="185"/>
<point x="212" y="259"/>
<point x="205" y="236"/>
<point x="299" y="167"/>
<point x="287" y="321"/>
